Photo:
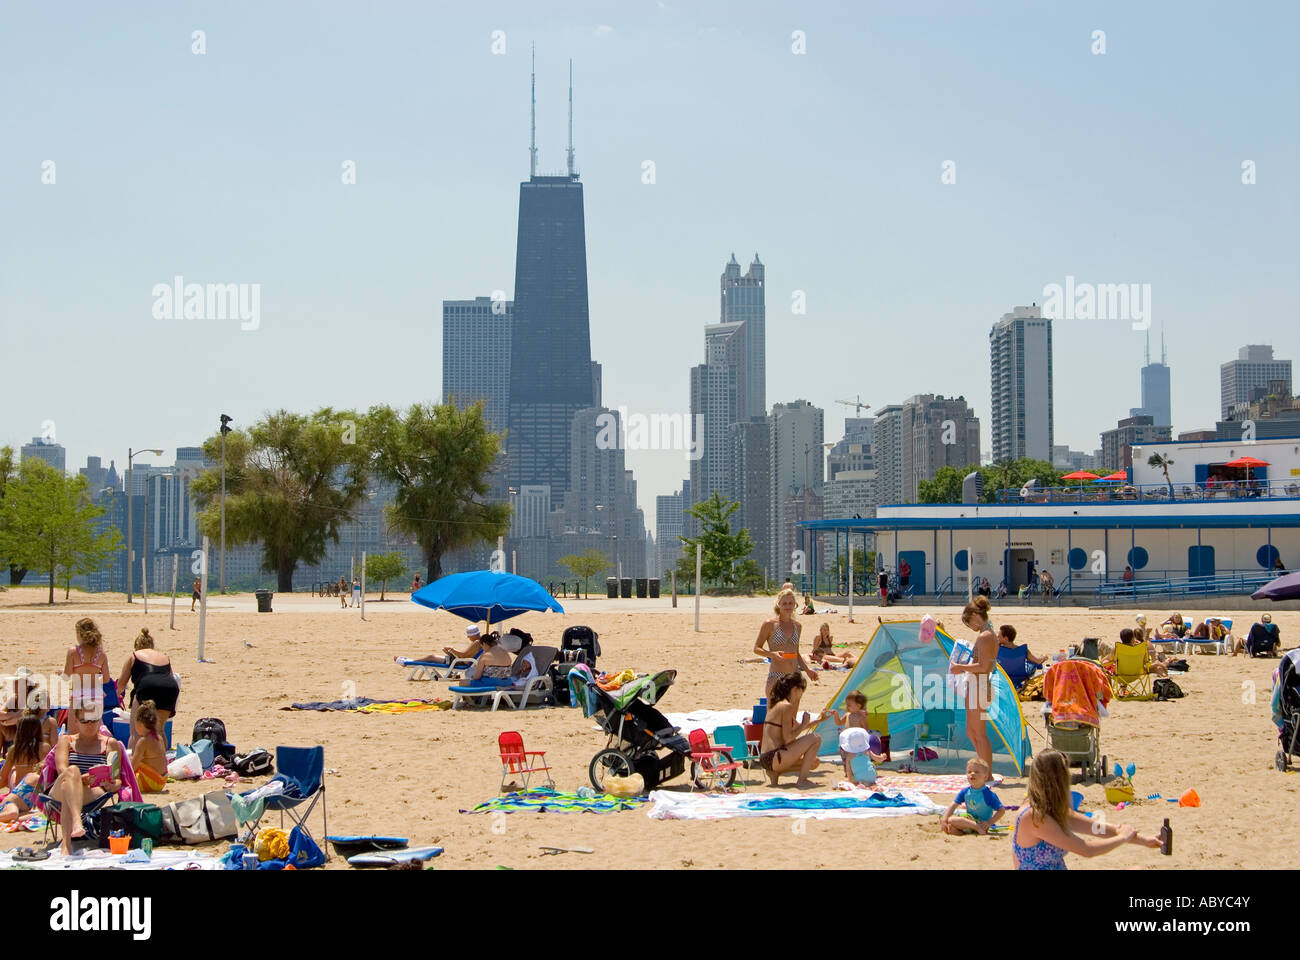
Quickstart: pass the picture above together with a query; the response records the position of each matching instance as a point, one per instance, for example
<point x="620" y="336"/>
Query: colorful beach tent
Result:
<point x="905" y="680"/>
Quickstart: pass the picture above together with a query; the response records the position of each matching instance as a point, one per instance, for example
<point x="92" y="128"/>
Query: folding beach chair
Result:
<point x="521" y="763"/>
<point x="305" y="766"/>
<point x="711" y="766"/>
<point x="1132" y="679"/>
<point x="1015" y="663"/>
<point x="733" y="737"/>
<point x="54" y="810"/>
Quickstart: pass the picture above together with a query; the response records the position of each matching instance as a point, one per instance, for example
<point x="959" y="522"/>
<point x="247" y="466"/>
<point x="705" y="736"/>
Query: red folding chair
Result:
<point x="708" y="771"/>
<point x="516" y="762"/>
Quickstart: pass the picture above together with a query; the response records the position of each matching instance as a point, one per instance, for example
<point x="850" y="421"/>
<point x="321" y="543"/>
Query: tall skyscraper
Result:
<point x="1247" y="378"/>
<point x="887" y="454"/>
<point x="714" y="396"/>
<point x="1155" y="388"/>
<point x="749" y="445"/>
<point x="476" y="356"/>
<point x="1020" y="348"/>
<point x="796" y="456"/>
<point x="44" y="448"/>
<point x="669" y="511"/>
<point x="550" y="326"/>
<point x="744" y="301"/>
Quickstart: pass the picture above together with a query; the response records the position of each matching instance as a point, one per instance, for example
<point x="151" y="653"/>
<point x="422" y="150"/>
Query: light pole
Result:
<point x="130" y="519"/>
<point x="224" y="430"/>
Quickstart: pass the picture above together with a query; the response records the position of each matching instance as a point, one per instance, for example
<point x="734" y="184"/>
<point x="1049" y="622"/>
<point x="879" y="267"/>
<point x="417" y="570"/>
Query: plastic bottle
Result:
<point x="1060" y="655"/>
<point x="586" y="793"/>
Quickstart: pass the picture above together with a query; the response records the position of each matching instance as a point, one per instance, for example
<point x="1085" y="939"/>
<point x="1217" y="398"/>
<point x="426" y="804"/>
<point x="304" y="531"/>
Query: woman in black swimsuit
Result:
<point x="150" y="673"/>
<point x="783" y="749"/>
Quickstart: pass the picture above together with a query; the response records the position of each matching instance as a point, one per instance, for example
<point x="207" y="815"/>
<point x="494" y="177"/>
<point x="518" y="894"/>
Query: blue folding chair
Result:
<point x="306" y="766"/>
<point x="1014" y="661"/>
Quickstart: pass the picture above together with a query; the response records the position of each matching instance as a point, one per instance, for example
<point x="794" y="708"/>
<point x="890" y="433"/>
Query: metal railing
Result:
<point x="1156" y="492"/>
<point x="1120" y="591"/>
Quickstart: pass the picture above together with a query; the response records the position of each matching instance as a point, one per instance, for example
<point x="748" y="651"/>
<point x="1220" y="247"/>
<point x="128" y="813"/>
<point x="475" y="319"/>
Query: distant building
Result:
<point x="476" y="356"/>
<point x="43" y="448"/>
<point x="744" y="302"/>
<point x="1020" y="348"/>
<point x="937" y="432"/>
<point x="749" y="448"/>
<point x="854" y="451"/>
<point x="887" y="454"/>
<point x="1247" y="378"/>
<point x="668" y="531"/>
<point x="713" y="406"/>
<point x="1117" y="445"/>
<point x="1197" y="436"/>
<point x="1068" y="461"/>
<point x="531" y="510"/>
<point x="797" y="470"/>
<point x="1274" y="415"/>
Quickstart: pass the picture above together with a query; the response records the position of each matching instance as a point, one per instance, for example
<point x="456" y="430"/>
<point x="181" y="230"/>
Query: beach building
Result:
<point x="1212" y="529"/>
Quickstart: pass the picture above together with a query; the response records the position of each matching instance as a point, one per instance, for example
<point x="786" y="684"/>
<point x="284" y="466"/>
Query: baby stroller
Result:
<point x="1286" y="708"/>
<point x="637" y="732"/>
<point x="1079" y="741"/>
<point x="577" y="645"/>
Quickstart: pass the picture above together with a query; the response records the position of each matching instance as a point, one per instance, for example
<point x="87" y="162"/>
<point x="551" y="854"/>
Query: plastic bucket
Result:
<point x="119" y="844"/>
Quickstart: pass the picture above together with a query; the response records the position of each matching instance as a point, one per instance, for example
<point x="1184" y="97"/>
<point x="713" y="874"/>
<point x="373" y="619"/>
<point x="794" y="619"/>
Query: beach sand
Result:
<point x="412" y="774"/>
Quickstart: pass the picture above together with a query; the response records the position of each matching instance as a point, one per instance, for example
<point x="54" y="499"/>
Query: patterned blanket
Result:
<point x="670" y="805"/>
<point x="551" y="801"/>
<point x="938" y="783"/>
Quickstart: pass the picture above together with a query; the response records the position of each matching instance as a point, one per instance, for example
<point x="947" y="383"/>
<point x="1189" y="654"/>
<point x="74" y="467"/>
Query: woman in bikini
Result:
<point x="86" y="664"/>
<point x="1045" y="829"/>
<point x="978" y="693"/>
<point x="493" y="664"/>
<point x="84" y="748"/>
<point x="823" y="650"/>
<point x="785" y="747"/>
<point x="150" y="673"/>
<point x="781" y="634"/>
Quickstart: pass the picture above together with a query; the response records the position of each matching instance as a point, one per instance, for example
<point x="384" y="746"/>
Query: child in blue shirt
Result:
<point x="983" y="808"/>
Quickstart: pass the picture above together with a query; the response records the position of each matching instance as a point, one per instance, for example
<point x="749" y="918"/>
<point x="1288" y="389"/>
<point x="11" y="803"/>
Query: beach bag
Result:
<point x="1181" y="666"/>
<point x="256" y="763"/>
<point x="186" y="767"/>
<point x="303" y="850"/>
<point x="201" y="819"/>
<point x="1166" y="689"/>
<point x="136" y="820"/>
<point x="210" y="729"/>
<point x="201" y="748"/>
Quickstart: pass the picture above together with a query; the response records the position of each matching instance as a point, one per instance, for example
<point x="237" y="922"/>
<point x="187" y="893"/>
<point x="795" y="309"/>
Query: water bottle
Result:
<point x="586" y="793"/>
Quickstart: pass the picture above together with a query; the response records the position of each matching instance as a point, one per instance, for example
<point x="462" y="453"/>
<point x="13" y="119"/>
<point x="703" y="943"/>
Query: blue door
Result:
<point x="1200" y="561"/>
<point x="916" y="560"/>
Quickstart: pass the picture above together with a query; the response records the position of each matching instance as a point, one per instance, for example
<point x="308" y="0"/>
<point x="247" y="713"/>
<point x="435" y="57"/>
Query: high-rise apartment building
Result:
<point x="937" y="432"/>
<point x="669" y="511"/>
<point x="476" y="356"/>
<point x="796" y="456"/>
<point x="887" y="454"/>
<point x="1020" y="348"/>
<point x="44" y="448"/>
<point x="1247" y="378"/>
<point x="749" y="450"/>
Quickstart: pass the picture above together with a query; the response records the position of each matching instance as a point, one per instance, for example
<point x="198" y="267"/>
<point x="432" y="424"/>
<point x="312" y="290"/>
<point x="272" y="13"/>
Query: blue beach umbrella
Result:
<point x="485" y="595"/>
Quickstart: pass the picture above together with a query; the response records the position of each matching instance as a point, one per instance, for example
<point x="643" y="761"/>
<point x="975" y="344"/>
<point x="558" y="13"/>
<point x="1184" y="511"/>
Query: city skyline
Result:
<point x="944" y="258"/>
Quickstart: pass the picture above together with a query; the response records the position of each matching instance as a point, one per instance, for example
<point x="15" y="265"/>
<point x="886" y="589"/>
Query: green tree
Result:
<point x="722" y="548"/>
<point x="9" y="473"/>
<point x="585" y="565"/>
<point x="49" y="523"/>
<point x="440" y="458"/>
<point x="1164" y="463"/>
<point x="945" y="486"/>
<point x="383" y="567"/>
<point x="292" y="481"/>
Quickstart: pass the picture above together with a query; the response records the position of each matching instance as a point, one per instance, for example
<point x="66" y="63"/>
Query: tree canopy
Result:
<point x="945" y="485"/>
<point x="585" y="565"/>
<point x="722" y="549"/>
<point x="383" y="567"/>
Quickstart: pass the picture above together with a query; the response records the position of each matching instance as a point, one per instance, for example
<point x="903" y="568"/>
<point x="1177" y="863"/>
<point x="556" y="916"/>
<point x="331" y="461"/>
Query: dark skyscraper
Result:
<point x="551" y="377"/>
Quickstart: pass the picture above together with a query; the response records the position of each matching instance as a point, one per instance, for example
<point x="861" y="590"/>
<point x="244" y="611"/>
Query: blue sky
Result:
<point x="225" y="167"/>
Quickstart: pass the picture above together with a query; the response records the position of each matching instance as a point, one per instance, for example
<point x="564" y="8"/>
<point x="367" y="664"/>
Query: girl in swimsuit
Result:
<point x="783" y="749"/>
<point x="824" y="650"/>
<point x="22" y="768"/>
<point x="978" y="692"/>
<point x="85" y="747"/>
<point x="1045" y="829"/>
<point x="87" y="664"/>
<point x="781" y="634"/>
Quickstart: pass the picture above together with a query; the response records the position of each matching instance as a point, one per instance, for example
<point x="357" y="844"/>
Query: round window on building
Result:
<point x="1138" y="557"/>
<point x="961" y="560"/>
<point x="1078" y="558"/>
<point x="1266" y="556"/>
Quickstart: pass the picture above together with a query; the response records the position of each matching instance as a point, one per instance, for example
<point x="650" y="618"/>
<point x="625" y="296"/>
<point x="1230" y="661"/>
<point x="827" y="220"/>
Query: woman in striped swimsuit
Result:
<point x="781" y="634"/>
<point x="77" y="752"/>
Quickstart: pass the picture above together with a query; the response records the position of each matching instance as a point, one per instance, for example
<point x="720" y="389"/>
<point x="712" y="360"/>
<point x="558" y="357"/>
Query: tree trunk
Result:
<point x="16" y="575"/>
<point x="383" y="584"/>
<point x="434" y="571"/>
<point x="284" y="575"/>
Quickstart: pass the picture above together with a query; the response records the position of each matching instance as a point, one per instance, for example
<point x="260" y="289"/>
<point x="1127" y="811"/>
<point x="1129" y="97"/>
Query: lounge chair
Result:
<point x="536" y="689"/>
<point x="1204" y="643"/>
<point x="434" y="669"/>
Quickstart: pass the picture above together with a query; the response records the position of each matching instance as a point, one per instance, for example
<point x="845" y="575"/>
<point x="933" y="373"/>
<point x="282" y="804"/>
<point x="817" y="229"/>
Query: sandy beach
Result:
<point x="413" y="774"/>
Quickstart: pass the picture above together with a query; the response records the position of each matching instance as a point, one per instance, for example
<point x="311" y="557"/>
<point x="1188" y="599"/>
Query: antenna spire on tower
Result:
<point x="1164" y="358"/>
<point x="570" y="117"/>
<point x="532" y="127"/>
<point x="1148" y="350"/>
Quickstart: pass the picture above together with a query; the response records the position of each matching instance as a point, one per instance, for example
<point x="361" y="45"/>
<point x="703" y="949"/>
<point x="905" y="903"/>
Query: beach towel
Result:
<point x="939" y="783"/>
<point x="28" y="823"/>
<point x="552" y="801"/>
<point x="370" y="705"/>
<point x="162" y="859"/>
<point x="710" y="720"/>
<point x="1074" y="688"/>
<point x="670" y="805"/>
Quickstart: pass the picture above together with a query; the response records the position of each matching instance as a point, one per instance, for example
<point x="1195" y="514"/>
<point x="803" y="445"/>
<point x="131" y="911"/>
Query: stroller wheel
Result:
<point x="608" y="761"/>
<point x="1280" y="761"/>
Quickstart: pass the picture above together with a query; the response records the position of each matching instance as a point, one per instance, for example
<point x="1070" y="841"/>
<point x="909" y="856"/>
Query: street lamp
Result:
<point x="130" y="518"/>
<point x="224" y="430"/>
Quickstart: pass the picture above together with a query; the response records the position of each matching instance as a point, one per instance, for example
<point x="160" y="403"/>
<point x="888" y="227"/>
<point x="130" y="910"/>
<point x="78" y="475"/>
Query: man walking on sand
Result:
<point x="195" y="594"/>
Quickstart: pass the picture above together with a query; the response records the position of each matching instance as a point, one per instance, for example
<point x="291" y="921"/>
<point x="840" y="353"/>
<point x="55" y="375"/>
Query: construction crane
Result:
<point x="857" y="404"/>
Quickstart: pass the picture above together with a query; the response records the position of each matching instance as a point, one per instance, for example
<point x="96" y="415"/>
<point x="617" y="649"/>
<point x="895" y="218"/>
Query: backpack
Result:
<point x="255" y="763"/>
<point x="1166" y="689"/>
<point x="210" y="729"/>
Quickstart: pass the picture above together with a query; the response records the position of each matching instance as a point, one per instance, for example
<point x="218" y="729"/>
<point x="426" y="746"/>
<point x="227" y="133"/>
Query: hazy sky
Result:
<point x="226" y="167"/>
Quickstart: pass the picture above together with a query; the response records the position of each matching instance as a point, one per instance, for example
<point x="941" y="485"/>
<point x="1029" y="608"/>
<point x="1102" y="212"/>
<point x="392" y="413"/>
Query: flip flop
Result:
<point x="30" y="854"/>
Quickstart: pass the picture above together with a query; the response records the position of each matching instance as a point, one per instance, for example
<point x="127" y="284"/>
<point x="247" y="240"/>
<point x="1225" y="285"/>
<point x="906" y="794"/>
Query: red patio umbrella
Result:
<point x="1247" y="462"/>
<point x="1081" y="475"/>
<point x="1117" y="475"/>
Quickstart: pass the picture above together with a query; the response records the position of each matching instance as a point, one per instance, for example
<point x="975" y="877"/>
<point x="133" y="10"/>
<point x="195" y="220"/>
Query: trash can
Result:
<point x="642" y="587"/>
<point x="263" y="600"/>
<point x="611" y="588"/>
<point x="625" y="588"/>
<point x="654" y="588"/>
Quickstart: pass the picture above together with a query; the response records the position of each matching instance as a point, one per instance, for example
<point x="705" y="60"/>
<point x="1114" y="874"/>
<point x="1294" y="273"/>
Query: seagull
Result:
<point x="247" y="644"/>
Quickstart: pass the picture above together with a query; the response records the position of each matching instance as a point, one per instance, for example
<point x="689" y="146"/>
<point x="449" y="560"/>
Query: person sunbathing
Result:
<point x="1155" y="661"/>
<point x="493" y="664"/>
<point x="149" y="757"/>
<point x="451" y="654"/>
<point x="77" y="753"/>
<point x="823" y="650"/>
<point x="22" y="765"/>
<point x="1172" y="629"/>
